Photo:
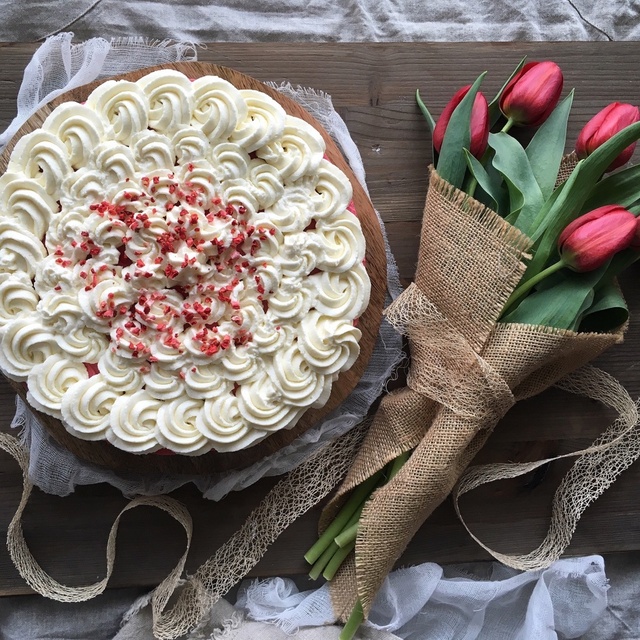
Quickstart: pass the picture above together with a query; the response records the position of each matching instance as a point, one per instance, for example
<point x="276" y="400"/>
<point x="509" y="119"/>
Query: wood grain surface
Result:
<point x="373" y="88"/>
<point x="103" y="453"/>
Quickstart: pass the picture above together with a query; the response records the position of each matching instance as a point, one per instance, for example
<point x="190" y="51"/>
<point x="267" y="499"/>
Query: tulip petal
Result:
<point x="494" y="106"/>
<point x="511" y="161"/>
<point x="546" y="148"/>
<point x="606" y="123"/>
<point x="452" y="165"/>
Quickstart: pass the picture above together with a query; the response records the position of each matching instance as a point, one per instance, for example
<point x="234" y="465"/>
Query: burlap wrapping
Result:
<point x="467" y="370"/>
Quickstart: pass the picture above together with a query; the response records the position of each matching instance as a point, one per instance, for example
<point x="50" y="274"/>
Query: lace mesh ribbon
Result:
<point x="295" y="494"/>
<point x="467" y="370"/>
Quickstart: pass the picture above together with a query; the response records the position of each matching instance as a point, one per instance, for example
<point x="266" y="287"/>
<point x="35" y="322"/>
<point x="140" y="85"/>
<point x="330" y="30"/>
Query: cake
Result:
<point x="181" y="267"/>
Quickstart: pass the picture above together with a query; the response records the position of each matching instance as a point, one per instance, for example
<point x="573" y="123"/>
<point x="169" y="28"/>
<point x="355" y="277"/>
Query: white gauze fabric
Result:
<point x="328" y="21"/>
<point x="57" y="66"/>
<point x="465" y="602"/>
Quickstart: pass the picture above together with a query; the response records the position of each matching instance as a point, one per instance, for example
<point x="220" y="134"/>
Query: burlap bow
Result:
<point x="467" y="370"/>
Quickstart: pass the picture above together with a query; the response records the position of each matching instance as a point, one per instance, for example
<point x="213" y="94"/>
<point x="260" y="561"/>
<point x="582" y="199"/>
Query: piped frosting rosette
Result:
<point x="180" y="266"/>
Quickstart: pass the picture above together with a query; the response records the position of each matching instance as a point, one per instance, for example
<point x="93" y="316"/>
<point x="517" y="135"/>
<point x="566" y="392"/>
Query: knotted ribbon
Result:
<point x="467" y="370"/>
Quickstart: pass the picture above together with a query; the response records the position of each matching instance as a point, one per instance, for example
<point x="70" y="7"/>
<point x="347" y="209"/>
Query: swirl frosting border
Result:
<point x="180" y="266"/>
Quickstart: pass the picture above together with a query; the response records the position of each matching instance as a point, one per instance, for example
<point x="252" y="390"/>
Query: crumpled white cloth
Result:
<point x="60" y="65"/>
<point x="324" y="20"/>
<point x="225" y="622"/>
<point x="428" y="602"/>
<point x="461" y="602"/>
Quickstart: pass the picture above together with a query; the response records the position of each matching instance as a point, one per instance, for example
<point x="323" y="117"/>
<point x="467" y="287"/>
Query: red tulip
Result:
<point x="479" y="122"/>
<point x="605" y="125"/>
<point x="590" y="240"/>
<point x="532" y="93"/>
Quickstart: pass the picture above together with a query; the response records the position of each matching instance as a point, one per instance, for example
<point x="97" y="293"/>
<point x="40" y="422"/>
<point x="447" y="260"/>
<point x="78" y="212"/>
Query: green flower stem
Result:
<point x="508" y="124"/>
<point x="472" y="187"/>
<point x="336" y="561"/>
<point x="353" y="623"/>
<point x="397" y="464"/>
<point x="358" y="496"/>
<point x="348" y="536"/>
<point x="323" y="561"/>
<point x="351" y="530"/>
<point x="529" y="284"/>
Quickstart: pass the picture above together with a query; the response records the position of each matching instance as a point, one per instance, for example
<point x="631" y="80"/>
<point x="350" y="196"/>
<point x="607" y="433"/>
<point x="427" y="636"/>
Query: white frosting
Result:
<point x="178" y="266"/>
<point x="25" y="343"/>
<point x="26" y="201"/>
<point x="79" y="128"/>
<point x="49" y="382"/>
<point x="20" y="250"/>
<point x="86" y="408"/>
<point x="133" y="422"/>
<point x="41" y="156"/>
<point x="17" y="296"/>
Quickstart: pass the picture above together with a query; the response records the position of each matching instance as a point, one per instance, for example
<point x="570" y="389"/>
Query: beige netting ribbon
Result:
<point x="595" y="470"/>
<point x="467" y="369"/>
<point x="292" y="496"/>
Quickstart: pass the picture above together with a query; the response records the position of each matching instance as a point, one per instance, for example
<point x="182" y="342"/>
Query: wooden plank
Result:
<point x="372" y="86"/>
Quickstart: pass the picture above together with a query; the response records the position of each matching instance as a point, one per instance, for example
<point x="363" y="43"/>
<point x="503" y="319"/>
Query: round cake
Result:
<point x="181" y="268"/>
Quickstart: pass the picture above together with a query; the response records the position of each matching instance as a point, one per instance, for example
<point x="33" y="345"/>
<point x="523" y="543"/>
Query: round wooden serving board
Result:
<point x="103" y="453"/>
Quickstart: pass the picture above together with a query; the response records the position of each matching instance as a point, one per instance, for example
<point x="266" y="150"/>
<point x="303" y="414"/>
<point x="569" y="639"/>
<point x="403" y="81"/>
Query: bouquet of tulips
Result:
<point x="515" y="288"/>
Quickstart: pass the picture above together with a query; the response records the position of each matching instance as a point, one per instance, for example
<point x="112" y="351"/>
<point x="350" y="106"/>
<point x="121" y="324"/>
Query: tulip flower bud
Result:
<point x="479" y="122"/>
<point x="532" y="93"/>
<point x="590" y="240"/>
<point x="605" y="125"/>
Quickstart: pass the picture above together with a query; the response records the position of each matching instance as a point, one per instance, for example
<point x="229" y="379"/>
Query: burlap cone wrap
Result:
<point x="467" y="370"/>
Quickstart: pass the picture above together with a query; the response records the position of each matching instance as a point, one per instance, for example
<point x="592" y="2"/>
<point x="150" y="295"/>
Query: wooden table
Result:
<point x="372" y="87"/>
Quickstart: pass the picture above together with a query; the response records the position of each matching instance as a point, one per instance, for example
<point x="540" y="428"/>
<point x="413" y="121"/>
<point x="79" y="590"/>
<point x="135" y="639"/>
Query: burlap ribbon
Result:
<point x="466" y="371"/>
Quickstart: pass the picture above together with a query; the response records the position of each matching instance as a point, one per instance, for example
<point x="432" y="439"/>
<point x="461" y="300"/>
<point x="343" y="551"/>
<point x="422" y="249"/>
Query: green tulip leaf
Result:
<point x="562" y="209"/>
<point x="607" y="312"/>
<point x="622" y="188"/>
<point x="501" y="190"/>
<point x="561" y="305"/>
<point x="430" y="123"/>
<point x="546" y="148"/>
<point x="588" y="301"/>
<point x="452" y="164"/>
<point x="494" y="105"/>
<point x="525" y="196"/>
<point x="425" y="112"/>
<point x="621" y="262"/>
<point x="485" y="181"/>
